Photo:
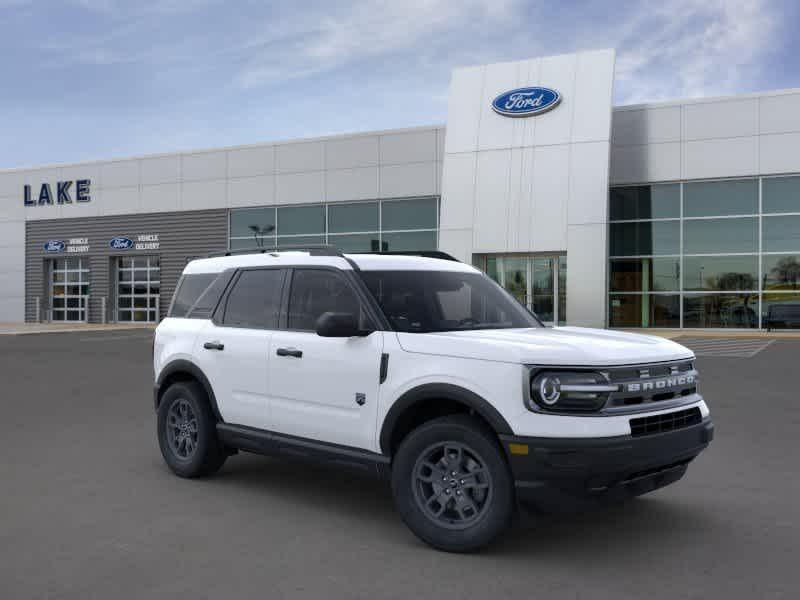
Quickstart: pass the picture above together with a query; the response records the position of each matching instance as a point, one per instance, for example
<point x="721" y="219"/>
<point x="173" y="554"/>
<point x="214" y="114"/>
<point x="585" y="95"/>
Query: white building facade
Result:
<point x="679" y="214"/>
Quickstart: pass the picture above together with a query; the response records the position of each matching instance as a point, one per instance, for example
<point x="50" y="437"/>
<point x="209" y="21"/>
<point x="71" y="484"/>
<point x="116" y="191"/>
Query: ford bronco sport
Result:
<point x="423" y="371"/>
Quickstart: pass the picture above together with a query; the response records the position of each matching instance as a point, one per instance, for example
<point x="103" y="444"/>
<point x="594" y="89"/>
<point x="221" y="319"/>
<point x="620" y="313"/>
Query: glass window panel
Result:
<point x="420" y="213"/>
<point x="562" y="290"/>
<point x="301" y="219"/>
<point x="58" y="302"/>
<point x="720" y="310"/>
<point x="780" y="271"/>
<point x="73" y="302"/>
<point x="360" y="242"/>
<point x="644" y="275"/>
<point x="58" y="315"/>
<point x="644" y="310"/>
<point x="780" y="310"/>
<point x="719" y="198"/>
<point x="720" y="236"/>
<point x="645" y="202"/>
<point x="542" y="276"/>
<point x="417" y="240"/>
<point x="125" y="262"/>
<point x="542" y="306"/>
<point x="734" y="273"/>
<point x="300" y="240"/>
<point x="642" y="239"/>
<point x="252" y="221"/>
<point x="491" y="268"/>
<point x="267" y="242"/>
<point x="255" y="299"/>
<point x="125" y="302"/>
<point x="73" y="276"/>
<point x="124" y="316"/>
<point x="781" y="234"/>
<point x="140" y="302"/>
<point x="74" y="315"/>
<point x="125" y="275"/>
<point x="515" y="272"/>
<point x="59" y="277"/>
<point x="140" y="275"/>
<point x="780" y="194"/>
<point x="362" y="216"/>
<point x="316" y="291"/>
<point x="74" y="290"/>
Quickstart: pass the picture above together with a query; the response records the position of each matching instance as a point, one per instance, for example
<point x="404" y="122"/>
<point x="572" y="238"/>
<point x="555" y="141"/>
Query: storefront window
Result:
<point x="644" y="310"/>
<point x="720" y="236"/>
<point x="720" y="310"/>
<point x="721" y="273"/>
<point x="780" y="194"/>
<point x="780" y="310"/>
<point x="647" y="238"/>
<point x="346" y="218"/>
<point x="720" y="198"/>
<point x="645" y="202"/>
<point x="420" y="213"/>
<point x="294" y="220"/>
<point x="645" y="275"/>
<point x="780" y="272"/>
<point x="781" y="234"/>
<point x="410" y="241"/>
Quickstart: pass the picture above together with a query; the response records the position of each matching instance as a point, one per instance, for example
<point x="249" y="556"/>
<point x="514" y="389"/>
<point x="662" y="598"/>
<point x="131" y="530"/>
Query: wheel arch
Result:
<point x="184" y="370"/>
<point x="426" y="399"/>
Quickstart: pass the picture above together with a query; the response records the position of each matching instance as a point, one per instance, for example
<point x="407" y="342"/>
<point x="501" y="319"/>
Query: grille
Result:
<point x="666" y="422"/>
<point x="644" y="384"/>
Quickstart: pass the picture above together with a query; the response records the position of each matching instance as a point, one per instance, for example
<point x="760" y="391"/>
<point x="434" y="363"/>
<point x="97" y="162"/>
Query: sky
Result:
<point x="97" y="79"/>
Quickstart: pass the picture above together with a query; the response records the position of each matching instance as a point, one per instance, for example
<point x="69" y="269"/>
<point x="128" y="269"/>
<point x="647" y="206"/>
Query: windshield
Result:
<point x="429" y="301"/>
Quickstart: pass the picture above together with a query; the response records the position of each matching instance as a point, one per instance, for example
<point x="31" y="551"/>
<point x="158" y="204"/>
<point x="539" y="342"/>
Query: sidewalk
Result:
<point x="29" y="328"/>
<point x="676" y="334"/>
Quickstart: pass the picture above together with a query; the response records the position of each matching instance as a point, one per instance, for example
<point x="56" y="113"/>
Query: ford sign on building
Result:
<point x="526" y="102"/>
<point x="681" y="214"/>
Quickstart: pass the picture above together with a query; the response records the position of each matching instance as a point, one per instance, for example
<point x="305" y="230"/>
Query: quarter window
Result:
<point x="255" y="300"/>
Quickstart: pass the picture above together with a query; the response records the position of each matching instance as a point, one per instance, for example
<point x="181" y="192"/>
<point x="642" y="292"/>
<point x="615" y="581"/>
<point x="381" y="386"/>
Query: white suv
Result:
<point x="424" y="371"/>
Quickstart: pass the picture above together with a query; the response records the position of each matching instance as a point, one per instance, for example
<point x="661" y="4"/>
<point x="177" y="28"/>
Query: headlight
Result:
<point x="570" y="391"/>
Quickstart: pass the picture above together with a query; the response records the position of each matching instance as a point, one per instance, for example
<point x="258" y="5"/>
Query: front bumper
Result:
<point x="557" y="473"/>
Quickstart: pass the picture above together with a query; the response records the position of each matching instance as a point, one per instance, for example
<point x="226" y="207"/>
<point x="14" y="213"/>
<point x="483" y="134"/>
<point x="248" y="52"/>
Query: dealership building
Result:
<point x="676" y="214"/>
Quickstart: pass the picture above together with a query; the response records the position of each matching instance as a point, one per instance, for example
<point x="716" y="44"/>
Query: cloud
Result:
<point x="690" y="48"/>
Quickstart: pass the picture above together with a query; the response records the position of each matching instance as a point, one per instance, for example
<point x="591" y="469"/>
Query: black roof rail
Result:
<point x="424" y="253"/>
<point x="312" y="249"/>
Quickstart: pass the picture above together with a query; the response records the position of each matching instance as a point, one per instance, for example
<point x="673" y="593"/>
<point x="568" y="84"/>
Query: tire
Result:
<point x="475" y="506"/>
<point x="190" y="447"/>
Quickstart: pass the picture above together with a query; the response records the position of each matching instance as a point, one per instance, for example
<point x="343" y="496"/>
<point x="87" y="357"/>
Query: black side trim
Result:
<point x="384" y="367"/>
<point x="441" y="391"/>
<point x="269" y="443"/>
<point x="184" y="366"/>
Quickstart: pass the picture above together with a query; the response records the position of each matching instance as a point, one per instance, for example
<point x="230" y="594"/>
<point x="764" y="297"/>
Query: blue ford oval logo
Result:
<point x="54" y="246"/>
<point x="121" y="243"/>
<point x="525" y="102"/>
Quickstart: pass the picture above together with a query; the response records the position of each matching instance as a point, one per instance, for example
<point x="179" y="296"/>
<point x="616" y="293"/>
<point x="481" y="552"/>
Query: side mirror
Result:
<point x="339" y="324"/>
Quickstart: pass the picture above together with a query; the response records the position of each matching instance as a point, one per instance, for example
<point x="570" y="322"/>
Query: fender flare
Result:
<point x="442" y="391"/>
<point x="185" y="366"/>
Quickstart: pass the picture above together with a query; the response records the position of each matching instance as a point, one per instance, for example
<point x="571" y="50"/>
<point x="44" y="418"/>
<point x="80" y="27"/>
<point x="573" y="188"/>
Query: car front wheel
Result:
<point x="452" y="485"/>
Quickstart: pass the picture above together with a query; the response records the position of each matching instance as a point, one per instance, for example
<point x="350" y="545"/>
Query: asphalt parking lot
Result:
<point x="88" y="509"/>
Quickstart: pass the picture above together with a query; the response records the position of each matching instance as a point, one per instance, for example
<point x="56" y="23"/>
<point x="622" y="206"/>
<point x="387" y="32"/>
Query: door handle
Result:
<point x="290" y="352"/>
<point x="214" y="345"/>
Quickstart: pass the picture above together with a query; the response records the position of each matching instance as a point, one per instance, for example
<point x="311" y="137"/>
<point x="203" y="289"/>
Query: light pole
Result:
<point x="259" y="233"/>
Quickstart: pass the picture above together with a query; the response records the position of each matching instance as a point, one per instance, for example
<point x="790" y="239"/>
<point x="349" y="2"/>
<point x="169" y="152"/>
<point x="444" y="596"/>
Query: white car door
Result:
<point x="324" y="388"/>
<point x="233" y="352"/>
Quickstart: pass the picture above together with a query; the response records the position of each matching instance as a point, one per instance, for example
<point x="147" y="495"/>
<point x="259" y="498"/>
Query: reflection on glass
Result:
<point x="358" y="242"/>
<point x="722" y="273"/>
<point x="645" y="275"/>
<point x="720" y="310"/>
<point x="780" y="310"/>
<point x="491" y="268"/>
<point x="644" y="310"/>
<point x="542" y="287"/>
<point x="642" y="239"/>
<point x="720" y="198"/>
<point x="780" y="194"/>
<point x="249" y="221"/>
<point x="515" y="271"/>
<point x="562" y="290"/>
<point x="300" y="240"/>
<point x="780" y="272"/>
<point x="781" y="234"/>
<point x="294" y="220"/>
<point x="719" y="236"/>
<point x="343" y="218"/>
<point x="409" y="241"/>
<point x="645" y="202"/>
<point x="420" y="213"/>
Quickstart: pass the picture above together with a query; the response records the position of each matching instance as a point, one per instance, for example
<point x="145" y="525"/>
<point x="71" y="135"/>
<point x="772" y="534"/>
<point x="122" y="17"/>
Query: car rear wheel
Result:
<point x="187" y="433"/>
<point x="452" y="485"/>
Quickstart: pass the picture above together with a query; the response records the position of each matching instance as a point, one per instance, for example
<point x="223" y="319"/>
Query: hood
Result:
<point x="567" y="346"/>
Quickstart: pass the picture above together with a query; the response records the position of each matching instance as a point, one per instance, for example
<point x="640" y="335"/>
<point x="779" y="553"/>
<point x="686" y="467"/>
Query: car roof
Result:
<point x="366" y="262"/>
